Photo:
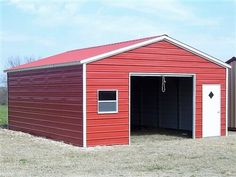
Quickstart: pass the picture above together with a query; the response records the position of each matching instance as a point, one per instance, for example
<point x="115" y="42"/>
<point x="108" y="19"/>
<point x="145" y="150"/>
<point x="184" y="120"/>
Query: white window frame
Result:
<point x="116" y="101"/>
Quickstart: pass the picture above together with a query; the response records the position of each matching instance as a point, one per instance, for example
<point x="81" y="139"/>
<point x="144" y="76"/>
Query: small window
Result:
<point x="107" y="101"/>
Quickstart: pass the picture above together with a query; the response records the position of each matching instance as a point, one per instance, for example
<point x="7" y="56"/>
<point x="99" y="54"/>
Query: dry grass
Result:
<point x="149" y="155"/>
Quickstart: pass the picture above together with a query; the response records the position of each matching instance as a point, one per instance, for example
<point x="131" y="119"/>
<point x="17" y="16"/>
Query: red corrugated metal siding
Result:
<point x="113" y="73"/>
<point x="48" y="103"/>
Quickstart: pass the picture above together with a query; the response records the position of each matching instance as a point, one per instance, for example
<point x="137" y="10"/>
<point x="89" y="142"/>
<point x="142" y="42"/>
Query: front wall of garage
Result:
<point x="47" y="102"/>
<point x="113" y="73"/>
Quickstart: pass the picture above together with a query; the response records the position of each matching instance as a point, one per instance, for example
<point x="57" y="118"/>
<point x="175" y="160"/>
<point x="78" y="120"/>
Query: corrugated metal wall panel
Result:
<point x="161" y="57"/>
<point x="232" y="96"/>
<point x="47" y="102"/>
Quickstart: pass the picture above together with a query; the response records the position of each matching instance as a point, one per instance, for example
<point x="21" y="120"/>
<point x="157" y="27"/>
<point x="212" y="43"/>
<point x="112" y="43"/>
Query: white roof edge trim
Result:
<point x="44" y="66"/>
<point x="197" y="52"/>
<point x="157" y="39"/>
<point x="121" y="50"/>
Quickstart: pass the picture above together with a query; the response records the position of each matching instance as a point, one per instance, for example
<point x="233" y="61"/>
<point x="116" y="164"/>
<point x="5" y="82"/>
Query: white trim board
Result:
<point x="131" y="47"/>
<point x="84" y="107"/>
<point x="197" y="52"/>
<point x="227" y="101"/>
<point x="194" y="105"/>
<point x="162" y="74"/>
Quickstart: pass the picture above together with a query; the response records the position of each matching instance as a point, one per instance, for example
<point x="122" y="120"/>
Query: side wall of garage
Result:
<point x="47" y="102"/>
<point x="113" y="73"/>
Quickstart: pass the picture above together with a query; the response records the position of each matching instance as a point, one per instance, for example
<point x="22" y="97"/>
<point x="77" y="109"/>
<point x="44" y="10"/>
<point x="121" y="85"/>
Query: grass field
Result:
<point x="3" y="115"/>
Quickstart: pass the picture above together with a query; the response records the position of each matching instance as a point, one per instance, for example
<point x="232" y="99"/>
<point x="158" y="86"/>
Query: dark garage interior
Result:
<point x="158" y="107"/>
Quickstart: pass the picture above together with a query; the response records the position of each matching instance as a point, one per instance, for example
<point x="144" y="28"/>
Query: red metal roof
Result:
<point x="79" y="54"/>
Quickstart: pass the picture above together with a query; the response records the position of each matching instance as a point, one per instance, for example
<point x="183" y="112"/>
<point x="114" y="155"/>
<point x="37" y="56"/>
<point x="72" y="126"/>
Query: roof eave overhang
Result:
<point x="131" y="47"/>
<point x="44" y="66"/>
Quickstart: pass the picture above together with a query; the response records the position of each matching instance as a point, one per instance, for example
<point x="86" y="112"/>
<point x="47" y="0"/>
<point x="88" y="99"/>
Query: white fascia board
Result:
<point x="196" y="52"/>
<point x="121" y="50"/>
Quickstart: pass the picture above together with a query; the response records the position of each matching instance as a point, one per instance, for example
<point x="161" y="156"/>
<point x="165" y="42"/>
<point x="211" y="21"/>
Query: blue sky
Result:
<point x="40" y="28"/>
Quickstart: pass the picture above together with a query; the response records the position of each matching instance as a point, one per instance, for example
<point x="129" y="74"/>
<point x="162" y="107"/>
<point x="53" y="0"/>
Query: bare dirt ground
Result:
<point x="149" y="155"/>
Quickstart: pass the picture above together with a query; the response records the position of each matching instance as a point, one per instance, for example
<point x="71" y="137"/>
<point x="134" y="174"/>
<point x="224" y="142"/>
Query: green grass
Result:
<point x="3" y="115"/>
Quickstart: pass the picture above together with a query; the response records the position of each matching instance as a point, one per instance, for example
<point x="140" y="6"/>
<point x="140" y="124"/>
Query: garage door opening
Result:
<point x="162" y="105"/>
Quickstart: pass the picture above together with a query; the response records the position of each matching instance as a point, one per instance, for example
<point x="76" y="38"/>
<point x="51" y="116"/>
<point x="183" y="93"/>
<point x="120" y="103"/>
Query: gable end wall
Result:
<point x="113" y="73"/>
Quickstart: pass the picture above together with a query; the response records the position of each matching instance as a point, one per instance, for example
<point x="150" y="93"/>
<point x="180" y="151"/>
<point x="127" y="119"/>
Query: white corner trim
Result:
<point x="194" y="106"/>
<point x="129" y="109"/>
<point x="226" y="104"/>
<point x="84" y="107"/>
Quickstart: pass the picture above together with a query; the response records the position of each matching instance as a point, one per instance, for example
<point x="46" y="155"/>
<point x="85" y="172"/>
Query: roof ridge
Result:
<point x="115" y="43"/>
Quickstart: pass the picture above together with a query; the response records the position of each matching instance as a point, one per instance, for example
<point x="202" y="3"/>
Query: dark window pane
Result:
<point x="107" y="107"/>
<point x="107" y="95"/>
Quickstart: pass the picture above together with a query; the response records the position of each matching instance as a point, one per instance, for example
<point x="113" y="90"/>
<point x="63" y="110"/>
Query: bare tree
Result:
<point x="29" y="59"/>
<point x="16" y="61"/>
<point x="13" y="61"/>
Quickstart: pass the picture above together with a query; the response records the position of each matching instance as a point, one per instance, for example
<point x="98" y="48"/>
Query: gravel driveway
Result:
<point x="149" y="155"/>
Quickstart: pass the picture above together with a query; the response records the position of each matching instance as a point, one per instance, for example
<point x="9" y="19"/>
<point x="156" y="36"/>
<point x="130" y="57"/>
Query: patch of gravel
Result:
<point x="25" y="155"/>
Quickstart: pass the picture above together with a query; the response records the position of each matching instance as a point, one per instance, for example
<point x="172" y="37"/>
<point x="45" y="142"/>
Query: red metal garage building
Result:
<point x="94" y="96"/>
